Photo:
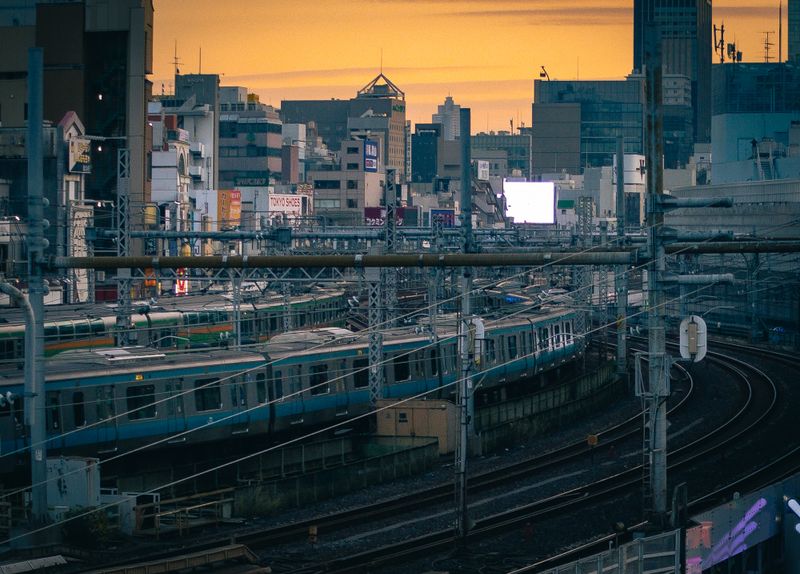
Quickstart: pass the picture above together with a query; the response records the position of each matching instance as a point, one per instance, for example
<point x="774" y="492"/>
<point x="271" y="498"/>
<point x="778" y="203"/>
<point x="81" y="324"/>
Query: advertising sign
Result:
<point x="181" y="283"/>
<point x="370" y="156"/>
<point x="80" y="157"/>
<point x="229" y="208"/>
<point x="530" y="201"/>
<point x="446" y="216"/>
<point x="376" y="216"/>
<point x="483" y="170"/>
<point x="286" y="203"/>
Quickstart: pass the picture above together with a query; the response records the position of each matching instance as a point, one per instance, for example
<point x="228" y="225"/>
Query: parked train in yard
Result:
<point x="113" y="400"/>
<point x="178" y="323"/>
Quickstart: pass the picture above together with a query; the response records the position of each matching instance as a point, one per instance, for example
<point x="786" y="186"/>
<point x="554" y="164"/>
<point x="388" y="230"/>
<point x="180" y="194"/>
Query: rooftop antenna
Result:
<point x="719" y="44"/>
<point x="175" y="61"/>
<point x="200" y="63"/>
<point x="767" y="46"/>
<point x="381" y="60"/>
<point x="780" y="32"/>
<point x="544" y="74"/>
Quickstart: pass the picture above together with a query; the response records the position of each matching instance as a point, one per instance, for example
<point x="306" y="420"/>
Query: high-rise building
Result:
<point x="794" y="30"/>
<point x="449" y="115"/>
<point x="683" y="28"/>
<point x="97" y="55"/>
<point x="379" y="108"/>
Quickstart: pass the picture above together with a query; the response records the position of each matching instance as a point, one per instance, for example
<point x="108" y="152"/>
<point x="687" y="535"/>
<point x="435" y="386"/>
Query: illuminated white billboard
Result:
<point x="530" y="201"/>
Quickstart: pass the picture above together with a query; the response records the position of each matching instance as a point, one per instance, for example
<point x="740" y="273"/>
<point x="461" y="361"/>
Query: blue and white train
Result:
<point x="113" y="400"/>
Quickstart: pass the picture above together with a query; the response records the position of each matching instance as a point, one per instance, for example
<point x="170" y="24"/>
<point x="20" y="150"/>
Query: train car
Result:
<point x="322" y="375"/>
<point x="117" y="399"/>
<point x="178" y="323"/>
<point x="113" y="400"/>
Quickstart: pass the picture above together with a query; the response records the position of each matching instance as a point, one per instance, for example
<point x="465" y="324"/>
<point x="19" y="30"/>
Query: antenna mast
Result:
<point x="175" y="61"/>
<point x="719" y="44"/>
<point x="767" y="46"/>
<point x="780" y="32"/>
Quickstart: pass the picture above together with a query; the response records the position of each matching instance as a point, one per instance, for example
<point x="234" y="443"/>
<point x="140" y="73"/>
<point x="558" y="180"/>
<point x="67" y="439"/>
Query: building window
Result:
<point x="352" y="166"/>
<point x="352" y="184"/>
<point x="327" y="204"/>
<point x="352" y="150"/>
<point x="352" y="204"/>
<point x="327" y="184"/>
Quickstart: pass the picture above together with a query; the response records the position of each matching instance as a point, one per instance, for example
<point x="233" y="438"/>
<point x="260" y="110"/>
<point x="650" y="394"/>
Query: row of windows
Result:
<point x="233" y="129"/>
<point x="249" y="151"/>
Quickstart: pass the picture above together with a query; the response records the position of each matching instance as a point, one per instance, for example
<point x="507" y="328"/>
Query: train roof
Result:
<point x="324" y="340"/>
<point x="130" y="359"/>
<point x="13" y="316"/>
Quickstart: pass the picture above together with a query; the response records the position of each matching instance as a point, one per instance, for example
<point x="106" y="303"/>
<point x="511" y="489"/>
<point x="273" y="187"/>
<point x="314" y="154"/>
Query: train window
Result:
<point x="242" y="395"/>
<point x="53" y="411"/>
<point x="273" y="324"/>
<point x="434" y="362"/>
<point x="557" y="335"/>
<point x="66" y="331"/>
<point x="489" y="345"/>
<point x="543" y="338"/>
<point x="207" y="395"/>
<point x="170" y="403"/>
<point x="104" y="402"/>
<point x="82" y="329"/>
<point x="402" y="369"/>
<point x="140" y="401"/>
<point x="512" y="347"/>
<point x="14" y="408"/>
<point x="360" y="373"/>
<point x="318" y="380"/>
<point x="232" y="386"/>
<point x="8" y="349"/>
<point x="78" y="409"/>
<point x="568" y="331"/>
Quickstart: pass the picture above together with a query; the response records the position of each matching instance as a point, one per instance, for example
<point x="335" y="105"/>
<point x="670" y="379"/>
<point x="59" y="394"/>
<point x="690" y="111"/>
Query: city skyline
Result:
<point x="481" y="61"/>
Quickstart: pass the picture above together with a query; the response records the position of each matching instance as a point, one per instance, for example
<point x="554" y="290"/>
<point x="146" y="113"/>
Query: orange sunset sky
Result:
<point x="485" y="53"/>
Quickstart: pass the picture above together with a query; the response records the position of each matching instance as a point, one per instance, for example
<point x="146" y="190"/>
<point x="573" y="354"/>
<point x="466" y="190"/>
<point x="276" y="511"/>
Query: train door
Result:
<point x="174" y="409"/>
<point x="295" y="402"/>
<point x="55" y="421"/>
<point x="240" y="424"/>
<point x="340" y="389"/>
<point x="106" y="428"/>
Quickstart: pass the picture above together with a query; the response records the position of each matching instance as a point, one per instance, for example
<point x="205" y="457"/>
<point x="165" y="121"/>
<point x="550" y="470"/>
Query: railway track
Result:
<point x="749" y="416"/>
<point x="761" y="399"/>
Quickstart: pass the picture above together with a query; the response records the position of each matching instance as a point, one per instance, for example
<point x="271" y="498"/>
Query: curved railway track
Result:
<point x="761" y="400"/>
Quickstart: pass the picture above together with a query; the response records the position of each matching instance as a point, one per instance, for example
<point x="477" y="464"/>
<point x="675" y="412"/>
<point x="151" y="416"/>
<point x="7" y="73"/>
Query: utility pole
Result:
<point x="621" y="276"/>
<point x="123" y="248"/>
<point x="34" y="353"/>
<point x="464" y="390"/>
<point x="658" y="360"/>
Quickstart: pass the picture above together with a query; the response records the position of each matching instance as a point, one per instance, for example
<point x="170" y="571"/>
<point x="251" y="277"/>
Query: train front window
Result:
<point x="140" y="401"/>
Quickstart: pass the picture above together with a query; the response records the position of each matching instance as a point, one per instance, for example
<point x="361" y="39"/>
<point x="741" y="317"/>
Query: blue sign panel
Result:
<point x="370" y="155"/>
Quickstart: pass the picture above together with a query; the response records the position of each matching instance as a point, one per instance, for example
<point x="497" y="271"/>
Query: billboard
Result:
<point x="285" y="203"/>
<point x="229" y="208"/>
<point x="530" y="201"/>
<point x="376" y="216"/>
<point x="370" y="156"/>
<point x="80" y="157"/>
<point x="483" y="170"/>
<point x="446" y="216"/>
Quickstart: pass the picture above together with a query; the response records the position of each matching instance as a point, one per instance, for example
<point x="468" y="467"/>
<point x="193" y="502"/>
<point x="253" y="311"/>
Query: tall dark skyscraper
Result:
<point x="794" y="30"/>
<point x="684" y="28"/>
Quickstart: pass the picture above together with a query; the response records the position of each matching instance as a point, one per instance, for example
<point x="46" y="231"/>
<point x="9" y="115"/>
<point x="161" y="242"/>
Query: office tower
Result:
<point x="449" y="115"/>
<point x="684" y="30"/>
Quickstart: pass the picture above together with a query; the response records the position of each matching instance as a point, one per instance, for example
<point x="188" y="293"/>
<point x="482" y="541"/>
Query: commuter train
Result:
<point x="115" y="399"/>
<point x="179" y="323"/>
